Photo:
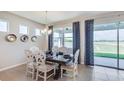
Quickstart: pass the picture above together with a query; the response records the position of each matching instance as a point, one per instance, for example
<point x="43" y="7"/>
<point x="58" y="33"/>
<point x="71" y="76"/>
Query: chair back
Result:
<point x="63" y="49"/>
<point x="29" y="56"/>
<point x="76" y="57"/>
<point x="69" y="51"/>
<point x="40" y="59"/>
<point x="55" y="49"/>
<point x="34" y="49"/>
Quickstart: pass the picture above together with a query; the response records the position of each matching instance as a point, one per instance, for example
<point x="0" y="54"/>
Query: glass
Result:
<point x="68" y="42"/>
<point x="3" y="26"/>
<point x="121" y="45"/>
<point x="63" y="37"/>
<point x="23" y="29"/>
<point x="105" y="44"/>
<point x="37" y="32"/>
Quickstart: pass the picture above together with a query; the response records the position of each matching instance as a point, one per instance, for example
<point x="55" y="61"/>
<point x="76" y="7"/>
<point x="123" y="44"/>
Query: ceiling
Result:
<point x="54" y="16"/>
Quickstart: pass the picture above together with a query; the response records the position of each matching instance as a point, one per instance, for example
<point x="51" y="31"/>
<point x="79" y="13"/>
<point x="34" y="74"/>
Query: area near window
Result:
<point x="23" y="29"/>
<point x="37" y="32"/>
<point x="68" y="37"/>
<point x="109" y="44"/>
<point x="63" y="37"/>
<point x="3" y="26"/>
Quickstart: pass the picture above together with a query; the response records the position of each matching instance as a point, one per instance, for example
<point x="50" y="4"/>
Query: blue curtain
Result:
<point x="76" y="37"/>
<point x="50" y="39"/>
<point x="89" y="55"/>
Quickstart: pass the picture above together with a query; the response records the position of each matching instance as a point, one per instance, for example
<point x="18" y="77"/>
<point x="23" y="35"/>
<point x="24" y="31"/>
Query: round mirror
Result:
<point x="24" y="38"/>
<point x="11" y="37"/>
<point x="34" y="38"/>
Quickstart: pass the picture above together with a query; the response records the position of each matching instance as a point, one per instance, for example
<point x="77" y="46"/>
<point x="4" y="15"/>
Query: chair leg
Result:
<point x="54" y="71"/>
<point x="61" y="73"/>
<point x="26" y="71"/>
<point x="45" y="76"/>
<point x="37" y="75"/>
<point x="32" y="73"/>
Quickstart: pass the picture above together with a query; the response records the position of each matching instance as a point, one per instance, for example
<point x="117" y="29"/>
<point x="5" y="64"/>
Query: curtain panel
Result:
<point x="50" y="39"/>
<point x="89" y="55"/>
<point x="76" y="37"/>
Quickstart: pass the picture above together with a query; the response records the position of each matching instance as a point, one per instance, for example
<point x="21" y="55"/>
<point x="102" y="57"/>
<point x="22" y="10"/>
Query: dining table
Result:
<point x="60" y="60"/>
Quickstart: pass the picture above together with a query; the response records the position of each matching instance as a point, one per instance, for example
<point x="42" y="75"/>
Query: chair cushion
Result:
<point x="52" y="63"/>
<point x="45" y="68"/>
<point x="67" y="67"/>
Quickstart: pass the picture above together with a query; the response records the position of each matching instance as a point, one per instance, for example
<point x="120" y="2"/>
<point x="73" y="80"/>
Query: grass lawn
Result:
<point x="108" y="49"/>
<point x="109" y="55"/>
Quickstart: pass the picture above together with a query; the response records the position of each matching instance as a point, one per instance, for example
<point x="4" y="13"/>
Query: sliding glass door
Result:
<point x="105" y="45"/>
<point x="121" y="45"/>
<point x="109" y="45"/>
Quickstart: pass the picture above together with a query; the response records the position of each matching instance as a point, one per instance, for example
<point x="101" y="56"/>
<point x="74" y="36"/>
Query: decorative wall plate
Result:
<point x="11" y="37"/>
<point x="24" y="38"/>
<point x="34" y="38"/>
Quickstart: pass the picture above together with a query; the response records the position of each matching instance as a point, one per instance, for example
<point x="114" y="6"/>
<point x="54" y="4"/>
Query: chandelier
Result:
<point x="46" y="29"/>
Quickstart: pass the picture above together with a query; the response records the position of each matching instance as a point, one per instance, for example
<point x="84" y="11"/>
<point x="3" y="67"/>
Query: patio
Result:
<point x="111" y="62"/>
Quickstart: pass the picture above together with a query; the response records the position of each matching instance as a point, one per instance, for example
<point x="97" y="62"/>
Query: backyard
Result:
<point x="108" y="49"/>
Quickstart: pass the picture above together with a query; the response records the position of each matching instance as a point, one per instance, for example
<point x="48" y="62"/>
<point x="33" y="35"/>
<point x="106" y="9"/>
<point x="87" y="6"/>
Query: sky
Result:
<point x="108" y="35"/>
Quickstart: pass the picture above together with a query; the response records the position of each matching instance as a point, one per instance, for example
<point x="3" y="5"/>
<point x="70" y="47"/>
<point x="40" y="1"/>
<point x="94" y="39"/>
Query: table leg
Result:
<point x="58" y="72"/>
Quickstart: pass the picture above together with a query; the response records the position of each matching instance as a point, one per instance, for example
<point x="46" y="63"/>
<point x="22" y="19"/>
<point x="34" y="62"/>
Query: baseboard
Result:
<point x="9" y="67"/>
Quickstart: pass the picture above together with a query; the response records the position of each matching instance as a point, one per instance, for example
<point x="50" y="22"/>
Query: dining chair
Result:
<point x="30" y="69"/>
<point x="54" y="51"/>
<point x="72" y="67"/>
<point x="43" y="68"/>
<point x="34" y="49"/>
<point x="63" y="50"/>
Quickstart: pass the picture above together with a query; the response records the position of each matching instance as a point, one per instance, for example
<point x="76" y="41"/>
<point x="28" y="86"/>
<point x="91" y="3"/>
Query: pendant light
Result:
<point x="46" y="29"/>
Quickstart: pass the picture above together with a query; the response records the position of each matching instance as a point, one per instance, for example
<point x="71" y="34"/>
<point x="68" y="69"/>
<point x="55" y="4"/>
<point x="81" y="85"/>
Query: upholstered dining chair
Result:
<point x="54" y="51"/>
<point x="63" y="50"/>
<point x="43" y="68"/>
<point x="71" y="67"/>
<point x="30" y="69"/>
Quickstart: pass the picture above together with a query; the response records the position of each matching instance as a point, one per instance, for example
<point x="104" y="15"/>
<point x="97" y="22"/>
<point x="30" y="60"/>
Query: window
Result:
<point x="57" y="37"/>
<point x="3" y="26"/>
<point x="37" y="32"/>
<point x="23" y="29"/>
<point x="68" y="40"/>
<point x="63" y="37"/>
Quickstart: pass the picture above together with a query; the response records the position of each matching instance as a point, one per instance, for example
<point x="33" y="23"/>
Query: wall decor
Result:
<point x="11" y="37"/>
<point x="34" y="38"/>
<point x="24" y="38"/>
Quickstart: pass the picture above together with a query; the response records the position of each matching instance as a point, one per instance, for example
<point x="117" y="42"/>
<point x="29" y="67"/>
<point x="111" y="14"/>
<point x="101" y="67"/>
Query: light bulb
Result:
<point x="49" y="31"/>
<point x="45" y="30"/>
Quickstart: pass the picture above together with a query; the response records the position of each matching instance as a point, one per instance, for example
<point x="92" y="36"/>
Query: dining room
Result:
<point x="24" y="48"/>
<point x="65" y="46"/>
<point x="51" y="46"/>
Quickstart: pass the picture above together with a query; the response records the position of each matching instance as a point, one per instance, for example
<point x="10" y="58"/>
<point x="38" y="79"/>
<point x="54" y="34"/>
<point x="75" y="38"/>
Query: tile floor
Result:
<point x="86" y="73"/>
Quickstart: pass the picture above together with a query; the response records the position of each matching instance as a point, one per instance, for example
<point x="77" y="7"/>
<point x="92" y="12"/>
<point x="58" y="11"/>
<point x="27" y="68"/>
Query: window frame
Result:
<point x="68" y="37"/>
<point x="27" y="29"/>
<point x="4" y="20"/>
<point x="39" y="30"/>
<point x="62" y="37"/>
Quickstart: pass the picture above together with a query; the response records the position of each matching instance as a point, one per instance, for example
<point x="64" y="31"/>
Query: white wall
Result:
<point x="13" y="53"/>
